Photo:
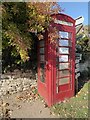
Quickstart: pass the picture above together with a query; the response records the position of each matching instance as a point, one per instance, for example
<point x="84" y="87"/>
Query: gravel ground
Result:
<point x="24" y="105"/>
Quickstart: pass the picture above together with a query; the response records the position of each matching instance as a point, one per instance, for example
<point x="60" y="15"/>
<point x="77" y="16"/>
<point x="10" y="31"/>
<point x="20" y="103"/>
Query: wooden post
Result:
<point x="77" y="74"/>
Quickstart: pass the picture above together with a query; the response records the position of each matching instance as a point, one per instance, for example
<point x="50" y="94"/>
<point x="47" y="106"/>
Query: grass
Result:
<point x="75" y="107"/>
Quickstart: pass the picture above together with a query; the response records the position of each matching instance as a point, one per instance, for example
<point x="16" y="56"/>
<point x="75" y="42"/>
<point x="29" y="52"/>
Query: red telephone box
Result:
<point x="56" y="64"/>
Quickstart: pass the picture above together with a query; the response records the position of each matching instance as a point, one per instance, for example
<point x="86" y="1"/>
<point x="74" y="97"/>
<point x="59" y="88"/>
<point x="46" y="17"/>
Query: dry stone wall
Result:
<point x="11" y="85"/>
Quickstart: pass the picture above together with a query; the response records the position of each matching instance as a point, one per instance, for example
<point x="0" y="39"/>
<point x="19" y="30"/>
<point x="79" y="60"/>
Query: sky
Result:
<point x="76" y="9"/>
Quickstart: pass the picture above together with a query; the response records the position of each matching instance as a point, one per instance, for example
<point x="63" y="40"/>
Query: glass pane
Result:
<point x="41" y="43"/>
<point x="64" y="43"/>
<point x="66" y="35"/>
<point x="42" y="72"/>
<point x="42" y="58"/>
<point x="63" y="58"/>
<point x="63" y="81"/>
<point x="63" y="50"/>
<point x="63" y="66"/>
<point x="42" y="50"/>
<point x="63" y="73"/>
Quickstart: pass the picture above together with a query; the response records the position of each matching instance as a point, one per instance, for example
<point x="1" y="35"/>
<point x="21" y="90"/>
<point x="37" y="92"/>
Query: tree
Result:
<point x="83" y="43"/>
<point x="22" y="24"/>
<point x="20" y="19"/>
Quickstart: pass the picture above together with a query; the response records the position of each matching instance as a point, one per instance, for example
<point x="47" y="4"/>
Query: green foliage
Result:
<point x="84" y="74"/>
<point x="19" y="21"/>
<point x="13" y="26"/>
<point x="82" y="43"/>
<point x="88" y="72"/>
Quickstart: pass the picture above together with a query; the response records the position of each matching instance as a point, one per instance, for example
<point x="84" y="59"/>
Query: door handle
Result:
<point x="48" y="66"/>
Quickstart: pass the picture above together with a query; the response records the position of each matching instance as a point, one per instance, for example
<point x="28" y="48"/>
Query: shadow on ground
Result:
<point x="81" y="82"/>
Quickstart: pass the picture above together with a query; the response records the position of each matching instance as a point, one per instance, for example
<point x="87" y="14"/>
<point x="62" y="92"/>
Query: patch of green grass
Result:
<point x="75" y="107"/>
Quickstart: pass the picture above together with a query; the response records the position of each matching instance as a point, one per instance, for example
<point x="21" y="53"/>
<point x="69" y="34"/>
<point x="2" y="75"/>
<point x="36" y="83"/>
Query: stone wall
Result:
<point x="11" y="85"/>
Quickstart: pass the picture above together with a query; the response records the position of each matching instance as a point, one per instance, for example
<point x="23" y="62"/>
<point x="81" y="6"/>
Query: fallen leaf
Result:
<point x="40" y="111"/>
<point x="5" y="104"/>
<point x="45" y="105"/>
<point x="19" y="107"/>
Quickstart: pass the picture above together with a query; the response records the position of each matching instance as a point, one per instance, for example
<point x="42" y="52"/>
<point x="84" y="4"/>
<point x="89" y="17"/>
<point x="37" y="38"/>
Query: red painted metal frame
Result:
<point x="49" y="89"/>
<point x="43" y="87"/>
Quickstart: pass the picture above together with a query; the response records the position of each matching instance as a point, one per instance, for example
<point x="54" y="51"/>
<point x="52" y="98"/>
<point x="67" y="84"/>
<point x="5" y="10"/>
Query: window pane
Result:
<point x="63" y="50"/>
<point x="63" y="58"/>
<point x="42" y="72"/>
<point x="42" y="50"/>
<point x="42" y="58"/>
<point x="63" y="66"/>
<point x="41" y="43"/>
<point x="63" y="43"/>
<point x="66" y="35"/>
<point x="63" y="81"/>
<point x="63" y="73"/>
